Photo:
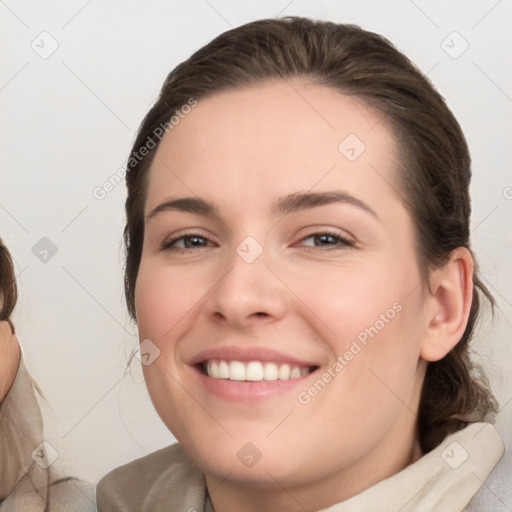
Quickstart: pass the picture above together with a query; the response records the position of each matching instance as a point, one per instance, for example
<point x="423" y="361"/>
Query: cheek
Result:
<point x="348" y="299"/>
<point x="162" y="299"/>
<point x="372" y="325"/>
<point x="384" y="372"/>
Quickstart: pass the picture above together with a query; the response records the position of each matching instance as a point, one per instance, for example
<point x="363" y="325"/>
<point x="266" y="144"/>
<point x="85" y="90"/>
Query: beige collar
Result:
<point x="444" y="479"/>
<point x="21" y="431"/>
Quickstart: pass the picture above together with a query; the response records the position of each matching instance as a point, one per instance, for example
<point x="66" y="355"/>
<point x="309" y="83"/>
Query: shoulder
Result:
<point x="67" y="494"/>
<point x="497" y="490"/>
<point x="62" y="495"/>
<point x="156" y="476"/>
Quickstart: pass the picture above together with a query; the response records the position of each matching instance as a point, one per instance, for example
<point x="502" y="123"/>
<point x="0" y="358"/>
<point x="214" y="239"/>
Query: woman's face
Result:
<point x="323" y="289"/>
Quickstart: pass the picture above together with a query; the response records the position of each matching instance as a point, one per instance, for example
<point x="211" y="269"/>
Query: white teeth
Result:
<point x="253" y="371"/>
<point x="295" y="372"/>
<point x="270" y="371"/>
<point x="223" y="372"/>
<point x="284" y="372"/>
<point x="236" y="370"/>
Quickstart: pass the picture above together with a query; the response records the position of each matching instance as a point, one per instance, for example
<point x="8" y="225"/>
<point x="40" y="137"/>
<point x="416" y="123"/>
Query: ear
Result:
<point x="449" y="303"/>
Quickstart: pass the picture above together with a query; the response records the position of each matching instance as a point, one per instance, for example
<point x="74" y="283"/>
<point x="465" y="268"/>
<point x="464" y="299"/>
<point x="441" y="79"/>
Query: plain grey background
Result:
<point x="78" y="77"/>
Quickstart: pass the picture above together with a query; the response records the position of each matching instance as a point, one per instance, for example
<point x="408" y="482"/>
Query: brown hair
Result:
<point x="434" y="173"/>
<point x="8" y="288"/>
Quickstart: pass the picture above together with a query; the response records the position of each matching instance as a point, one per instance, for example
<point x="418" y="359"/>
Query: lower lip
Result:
<point x="248" y="391"/>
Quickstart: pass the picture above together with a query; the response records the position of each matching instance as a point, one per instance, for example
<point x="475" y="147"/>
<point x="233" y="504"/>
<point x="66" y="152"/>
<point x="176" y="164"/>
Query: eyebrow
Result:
<point x="284" y="205"/>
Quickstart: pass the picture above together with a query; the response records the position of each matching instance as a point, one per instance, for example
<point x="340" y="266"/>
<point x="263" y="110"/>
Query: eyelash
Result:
<point x="345" y="242"/>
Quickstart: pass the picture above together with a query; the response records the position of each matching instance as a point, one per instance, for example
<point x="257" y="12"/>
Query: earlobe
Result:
<point x="449" y="305"/>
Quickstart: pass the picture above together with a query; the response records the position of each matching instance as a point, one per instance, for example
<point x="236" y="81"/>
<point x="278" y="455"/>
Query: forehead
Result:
<point x="275" y="136"/>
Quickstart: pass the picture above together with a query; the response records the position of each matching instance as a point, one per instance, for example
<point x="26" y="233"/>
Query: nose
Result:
<point x="246" y="294"/>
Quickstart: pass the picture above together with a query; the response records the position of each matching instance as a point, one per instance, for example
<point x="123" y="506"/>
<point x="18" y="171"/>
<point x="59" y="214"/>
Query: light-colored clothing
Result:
<point x="444" y="480"/>
<point x="25" y="485"/>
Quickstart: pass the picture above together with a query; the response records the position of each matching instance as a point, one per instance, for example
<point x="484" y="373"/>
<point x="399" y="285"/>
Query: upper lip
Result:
<point x="247" y="354"/>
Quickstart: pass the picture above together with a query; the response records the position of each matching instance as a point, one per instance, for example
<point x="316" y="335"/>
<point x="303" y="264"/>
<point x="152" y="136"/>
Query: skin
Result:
<point x="9" y="358"/>
<point x="305" y="297"/>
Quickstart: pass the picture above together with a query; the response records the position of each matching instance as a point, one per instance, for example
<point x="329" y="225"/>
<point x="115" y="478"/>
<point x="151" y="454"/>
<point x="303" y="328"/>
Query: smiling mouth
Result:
<point x="253" y="371"/>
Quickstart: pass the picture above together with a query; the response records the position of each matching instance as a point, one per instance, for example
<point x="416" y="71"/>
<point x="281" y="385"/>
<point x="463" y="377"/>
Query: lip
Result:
<point x="247" y="391"/>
